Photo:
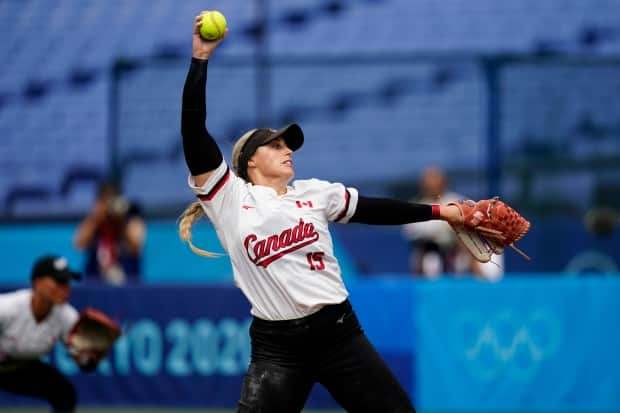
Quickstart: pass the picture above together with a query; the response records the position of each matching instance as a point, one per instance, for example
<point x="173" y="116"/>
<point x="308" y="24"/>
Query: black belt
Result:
<point x="329" y="313"/>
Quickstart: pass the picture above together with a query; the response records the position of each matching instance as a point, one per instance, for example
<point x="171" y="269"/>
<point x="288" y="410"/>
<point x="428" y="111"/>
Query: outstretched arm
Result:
<point x="200" y="149"/>
<point x="384" y="211"/>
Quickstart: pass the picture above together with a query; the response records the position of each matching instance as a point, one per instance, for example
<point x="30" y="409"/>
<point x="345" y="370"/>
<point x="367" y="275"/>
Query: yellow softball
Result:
<point x="213" y="25"/>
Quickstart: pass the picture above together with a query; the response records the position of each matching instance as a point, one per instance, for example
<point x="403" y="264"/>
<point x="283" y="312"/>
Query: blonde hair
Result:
<point x="194" y="211"/>
<point x="191" y="214"/>
<point x="236" y="151"/>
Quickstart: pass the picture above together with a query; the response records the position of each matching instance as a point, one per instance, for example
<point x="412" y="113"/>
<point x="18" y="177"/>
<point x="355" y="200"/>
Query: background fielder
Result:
<point x="31" y="321"/>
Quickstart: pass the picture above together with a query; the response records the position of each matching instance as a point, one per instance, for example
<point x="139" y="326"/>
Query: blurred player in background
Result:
<point x="434" y="247"/>
<point x="31" y="321"/>
<point x="435" y="250"/>
<point x="113" y="236"/>
<point x="276" y="233"/>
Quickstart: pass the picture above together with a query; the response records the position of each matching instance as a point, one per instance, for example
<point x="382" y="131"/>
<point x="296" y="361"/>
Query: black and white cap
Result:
<point x="248" y="143"/>
<point x="56" y="267"/>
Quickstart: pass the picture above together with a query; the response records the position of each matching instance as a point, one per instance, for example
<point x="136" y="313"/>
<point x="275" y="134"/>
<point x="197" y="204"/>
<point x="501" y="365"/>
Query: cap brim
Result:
<point x="68" y="276"/>
<point x="292" y="135"/>
<point x="76" y="276"/>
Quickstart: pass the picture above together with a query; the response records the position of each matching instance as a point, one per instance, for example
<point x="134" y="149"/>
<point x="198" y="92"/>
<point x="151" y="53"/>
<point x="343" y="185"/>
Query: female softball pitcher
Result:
<point x="275" y="231"/>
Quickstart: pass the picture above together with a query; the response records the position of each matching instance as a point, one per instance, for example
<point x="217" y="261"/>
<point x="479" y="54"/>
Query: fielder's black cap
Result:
<point x="292" y="135"/>
<point x="56" y="267"/>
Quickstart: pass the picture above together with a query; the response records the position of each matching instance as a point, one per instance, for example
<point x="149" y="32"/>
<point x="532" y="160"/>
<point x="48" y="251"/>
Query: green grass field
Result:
<point x="144" y="410"/>
<point x="159" y="410"/>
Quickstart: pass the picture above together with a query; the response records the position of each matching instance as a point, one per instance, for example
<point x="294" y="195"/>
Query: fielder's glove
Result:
<point x="91" y="338"/>
<point x="489" y="226"/>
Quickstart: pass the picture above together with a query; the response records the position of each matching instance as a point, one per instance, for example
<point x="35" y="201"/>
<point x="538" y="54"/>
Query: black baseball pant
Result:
<point x="33" y="378"/>
<point x="328" y="347"/>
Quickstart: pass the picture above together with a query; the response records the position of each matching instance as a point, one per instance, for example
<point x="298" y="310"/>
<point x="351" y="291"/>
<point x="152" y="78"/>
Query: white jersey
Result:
<point x="21" y="337"/>
<point x="279" y="245"/>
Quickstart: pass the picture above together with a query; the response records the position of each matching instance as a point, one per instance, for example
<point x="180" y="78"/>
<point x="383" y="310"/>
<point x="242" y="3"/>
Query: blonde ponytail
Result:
<point x="191" y="214"/>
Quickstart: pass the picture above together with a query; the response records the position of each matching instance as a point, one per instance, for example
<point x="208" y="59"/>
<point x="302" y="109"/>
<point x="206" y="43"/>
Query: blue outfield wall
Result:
<point x="530" y="343"/>
<point x="167" y="259"/>
<point x="361" y="249"/>
<point x="526" y="344"/>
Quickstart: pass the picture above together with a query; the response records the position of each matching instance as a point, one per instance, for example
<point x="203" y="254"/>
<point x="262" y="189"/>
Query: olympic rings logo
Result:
<point x="507" y="343"/>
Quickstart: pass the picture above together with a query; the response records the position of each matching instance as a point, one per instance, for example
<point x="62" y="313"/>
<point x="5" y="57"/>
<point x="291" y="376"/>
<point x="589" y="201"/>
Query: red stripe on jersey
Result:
<point x="209" y="196"/>
<point x="435" y="212"/>
<point x="347" y="198"/>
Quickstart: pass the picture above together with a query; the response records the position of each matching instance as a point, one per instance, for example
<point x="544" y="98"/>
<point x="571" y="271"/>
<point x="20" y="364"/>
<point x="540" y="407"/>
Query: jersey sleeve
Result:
<point x="68" y="317"/>
<point x="11" y="304"/>
<point x="5" y="310"/>
<point x="340" y="201"/>
<point x="214" y="185"/>
<point x="218" y="196"/>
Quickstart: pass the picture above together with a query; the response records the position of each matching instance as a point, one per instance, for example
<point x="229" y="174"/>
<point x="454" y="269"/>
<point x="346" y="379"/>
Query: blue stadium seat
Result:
<point x="57" y="56"/>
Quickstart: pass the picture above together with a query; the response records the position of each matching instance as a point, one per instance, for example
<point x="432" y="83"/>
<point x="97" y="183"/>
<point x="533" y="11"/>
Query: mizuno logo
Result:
<point x="247" y="206"/>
